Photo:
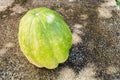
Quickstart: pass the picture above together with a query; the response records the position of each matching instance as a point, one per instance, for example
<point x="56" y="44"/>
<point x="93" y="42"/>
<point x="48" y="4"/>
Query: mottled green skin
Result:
<point x="44" y="38"/>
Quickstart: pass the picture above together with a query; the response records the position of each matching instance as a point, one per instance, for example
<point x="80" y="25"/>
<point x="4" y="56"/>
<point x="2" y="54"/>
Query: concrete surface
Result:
<point x="95" y="54"/>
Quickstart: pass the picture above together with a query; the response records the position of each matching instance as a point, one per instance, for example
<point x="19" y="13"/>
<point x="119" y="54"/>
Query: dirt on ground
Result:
<point x="95" y="53"/>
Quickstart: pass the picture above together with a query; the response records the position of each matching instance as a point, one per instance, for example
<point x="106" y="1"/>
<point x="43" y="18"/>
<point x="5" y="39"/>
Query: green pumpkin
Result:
<point x="44" y="37"/>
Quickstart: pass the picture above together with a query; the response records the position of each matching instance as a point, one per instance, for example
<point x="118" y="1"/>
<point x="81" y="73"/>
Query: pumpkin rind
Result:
<point x="44" y="38"/>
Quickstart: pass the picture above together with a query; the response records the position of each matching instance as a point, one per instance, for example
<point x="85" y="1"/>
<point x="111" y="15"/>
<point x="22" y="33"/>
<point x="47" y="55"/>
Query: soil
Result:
<point x="98" y="43"/>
